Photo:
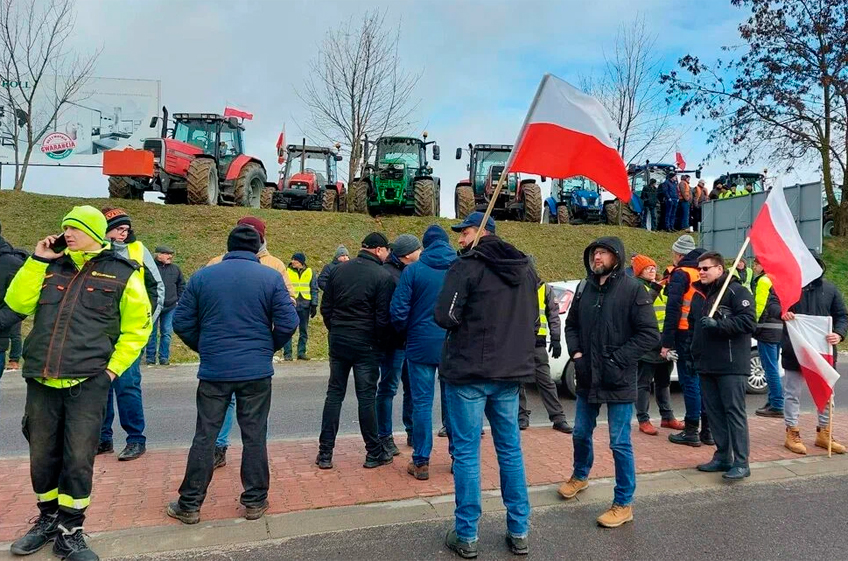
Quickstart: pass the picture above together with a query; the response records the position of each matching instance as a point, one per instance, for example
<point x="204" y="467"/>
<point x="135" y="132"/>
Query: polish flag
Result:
<point x="678" y="158"/>
<point x="233" y="112"/>
<point x="781" y="251"/>
<point x="567" y="133"/>
<point x="814" y="354"/>
<point x="281" y="146"/>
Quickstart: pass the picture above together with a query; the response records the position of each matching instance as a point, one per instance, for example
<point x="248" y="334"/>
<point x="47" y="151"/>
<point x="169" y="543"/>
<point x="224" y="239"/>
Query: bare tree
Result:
<point x="630" y="91"/>
<point x="40" y="72"/>
<point x="357" y="86"/>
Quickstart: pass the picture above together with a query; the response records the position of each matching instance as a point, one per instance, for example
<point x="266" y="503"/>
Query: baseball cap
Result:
<point x="375" y="240"/>
<point x="475" y="219"/>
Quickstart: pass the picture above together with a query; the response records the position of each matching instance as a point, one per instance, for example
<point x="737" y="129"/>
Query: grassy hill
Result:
<point x="199" y="233"/>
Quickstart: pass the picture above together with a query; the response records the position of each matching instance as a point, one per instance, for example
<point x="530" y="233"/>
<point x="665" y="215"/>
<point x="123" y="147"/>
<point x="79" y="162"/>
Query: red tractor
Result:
<point x="200" y="161"/>
<point x="309" y="180"/>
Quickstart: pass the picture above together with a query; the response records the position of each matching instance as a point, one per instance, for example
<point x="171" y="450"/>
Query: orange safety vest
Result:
<point x="683" y="324"/>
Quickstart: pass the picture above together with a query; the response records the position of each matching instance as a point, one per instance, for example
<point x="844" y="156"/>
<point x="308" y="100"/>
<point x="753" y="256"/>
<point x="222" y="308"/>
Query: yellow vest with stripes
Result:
<point x="543" y="318"/>
<point x="659" y="307"/>
<point x="301" y="283"/>
<point x="761" y="295"/>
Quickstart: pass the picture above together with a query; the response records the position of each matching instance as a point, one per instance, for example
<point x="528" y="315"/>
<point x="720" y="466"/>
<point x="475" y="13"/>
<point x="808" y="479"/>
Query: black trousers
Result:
<point x="62" y="427"/>
<point x="364" y="359"/>
<point x="724" y="401"/>
<point x="253" y="402"/>
<point x="660" y="375"/>
<point x="547" y="389"/>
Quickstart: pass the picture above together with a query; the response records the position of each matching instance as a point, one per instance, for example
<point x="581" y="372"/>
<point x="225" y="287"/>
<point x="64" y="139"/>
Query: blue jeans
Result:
<point x="618" y="416"/>
<point x="649" y="211"/>
<point x="466" y="405"/>
<point x="670" y="214"/>
<point x="422" y="382"/>
<point x="391" y="369"/>
<point x="691" y="386"/>
<point x="165" y="327"/>
<point x="127" y="392"/>
<point x="769" y="355"/>
<point x="302" y="337"/>
<point x="223" y="439"/>
<point x="684" y="214"/>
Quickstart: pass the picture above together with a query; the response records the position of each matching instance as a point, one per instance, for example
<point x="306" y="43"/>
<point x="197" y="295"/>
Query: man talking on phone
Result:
<point x="91" y="320"/>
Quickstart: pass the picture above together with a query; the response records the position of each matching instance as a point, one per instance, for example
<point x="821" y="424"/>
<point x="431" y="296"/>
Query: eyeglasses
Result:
<point x="705" y="269"/>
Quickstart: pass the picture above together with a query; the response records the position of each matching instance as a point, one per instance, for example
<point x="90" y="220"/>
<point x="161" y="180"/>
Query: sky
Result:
<point x="480" y="62"/>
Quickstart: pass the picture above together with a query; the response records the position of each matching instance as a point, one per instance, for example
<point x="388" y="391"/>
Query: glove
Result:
<point x="313" y="312"/>
<point x="672" y="356"/>
<point x="556" y="349"/>
<point x="709" y="323"/>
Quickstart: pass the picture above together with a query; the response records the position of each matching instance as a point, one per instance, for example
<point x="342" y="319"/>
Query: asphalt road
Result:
<point x="802" y="519"/>
<point x="299" y="390"/>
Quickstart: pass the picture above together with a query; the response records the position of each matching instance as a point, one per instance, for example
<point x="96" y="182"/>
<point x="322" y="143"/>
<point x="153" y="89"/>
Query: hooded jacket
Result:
<point x="726" y="349"/>
<point x="325" y="273"/>
<point x="489" y="307"/>
<point x="676" y="288"/>
<point x="766" y="310"/>
<point x="414" y="301"/>
<point x="11" y="260"/>
<point x="612" y="325"/>
<point x="819" y="298"/>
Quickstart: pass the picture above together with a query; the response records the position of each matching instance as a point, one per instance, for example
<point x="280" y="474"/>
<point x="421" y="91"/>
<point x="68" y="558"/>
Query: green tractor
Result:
<point x="398" y="181"/>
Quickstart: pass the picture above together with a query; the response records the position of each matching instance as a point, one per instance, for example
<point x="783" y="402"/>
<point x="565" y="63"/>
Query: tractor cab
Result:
<point x="309" y="168"/>
<point x="487" y="164"/>
<point x="740" y="181"/>
<point x="217" y="136"/>
<point x="641" y="175"/>
<point x="400" y="156"/>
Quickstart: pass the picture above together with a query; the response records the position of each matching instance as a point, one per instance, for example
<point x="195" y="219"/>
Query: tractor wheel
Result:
<point x="248" y="186"/>
<point x="628" y="217"/>
<point x="342" y="198"/>
<point x="202" y="182"/>
<point x="562" y="214"/>
<point x="329" y="202"/>
<point x="532" y="203"/>
<point x="464" y="203"/>
<point x="358" y="197"/>
<point x="425" y="197"/>
<point x="267" y="197"/>
<point x="119" y="188"/>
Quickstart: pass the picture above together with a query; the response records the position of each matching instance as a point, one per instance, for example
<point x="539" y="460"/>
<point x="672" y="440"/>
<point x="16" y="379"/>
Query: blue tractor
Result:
<point x="576" y="200"/>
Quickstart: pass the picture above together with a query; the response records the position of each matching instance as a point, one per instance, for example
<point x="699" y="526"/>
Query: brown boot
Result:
<point x="823" y="435"/>
<point x="793" y="441"/>
<point x="648" y="428"/>
<point x="421" y="473"/>
<point x="616" y="516"/>
<point x="570" y="488"/>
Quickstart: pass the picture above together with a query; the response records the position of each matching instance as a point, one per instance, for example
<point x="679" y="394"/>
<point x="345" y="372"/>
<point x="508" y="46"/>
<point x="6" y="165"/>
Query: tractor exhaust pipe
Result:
<point x="303" y="156"/>
<point x="164" y="132"/>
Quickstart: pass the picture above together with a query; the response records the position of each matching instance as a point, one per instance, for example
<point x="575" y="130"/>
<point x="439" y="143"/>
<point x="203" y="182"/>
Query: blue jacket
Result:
<point x="236" y="314"/>
<point x="415" y="299"/>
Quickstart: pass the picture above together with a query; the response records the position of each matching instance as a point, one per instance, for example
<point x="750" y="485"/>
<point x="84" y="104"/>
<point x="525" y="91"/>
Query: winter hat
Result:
<point x="116" y="217"/>
<point x="683" y="245"/>
<point x="87" y="219"/>
<point x="433" y="234"/>
<point x="641" y="262"/>
<point x="375" y="240"/>
<point x="340" y="251"/>
<point x="164" y="249"/>
<point x="299" y="257"/>
<point x="254" y="223"/>
<point x="405" y="244"/>
<point x="244" y="238"/>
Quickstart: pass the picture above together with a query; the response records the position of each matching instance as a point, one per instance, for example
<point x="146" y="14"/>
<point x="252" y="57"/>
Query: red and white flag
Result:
<point x="679" y="161"/>
<point x="233" y="112"/>
<point x="814" y="354"/>
<point x="281" y="146"/>
<point x="567" y="133"/>
<point x="781" y="251"/>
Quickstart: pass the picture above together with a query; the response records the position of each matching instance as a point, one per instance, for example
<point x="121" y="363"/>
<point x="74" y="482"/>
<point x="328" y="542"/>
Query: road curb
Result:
<point x="220" y="535"/>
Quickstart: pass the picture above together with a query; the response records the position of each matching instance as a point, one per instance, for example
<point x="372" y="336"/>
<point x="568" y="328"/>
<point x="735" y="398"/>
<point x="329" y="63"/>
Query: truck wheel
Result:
<point x="202" y="182"/>
<point x="119" y="188"/>
<point x="358" y="197"/>
<point x="329" y="201"/>
<point x="464" y="203"/>
<point x="532" y="203"/>
<point x="628" y="217"/>
<point x="425" y="197"/>
<point x="248" y="186"/>
<point x="562" y="214"/>
<point x="267" y="197"/>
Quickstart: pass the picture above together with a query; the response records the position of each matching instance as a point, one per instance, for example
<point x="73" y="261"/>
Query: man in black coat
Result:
<point x="355" y="309"/>
<point x="163" y="327"/>
<point x="610" y="325"/>
<point x="721" y="349"/>
<point x="11" y="260"/>
<point x="341" y="256"/>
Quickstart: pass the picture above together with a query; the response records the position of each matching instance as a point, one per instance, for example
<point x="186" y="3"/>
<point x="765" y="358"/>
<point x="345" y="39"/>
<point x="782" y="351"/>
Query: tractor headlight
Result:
<point x="398" y="166"/>
<point x="583" y="201"/>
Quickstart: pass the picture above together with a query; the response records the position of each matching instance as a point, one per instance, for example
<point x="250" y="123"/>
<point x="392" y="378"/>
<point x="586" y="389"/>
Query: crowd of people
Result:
<point x="400" y="313"/>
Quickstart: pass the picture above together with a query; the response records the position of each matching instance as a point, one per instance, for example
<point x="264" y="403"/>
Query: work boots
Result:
<point x="689" y="436"/>
<point x="389" y="445"/>
<point x="220" y="457"/>
<point x="70" y="545"/>
<point x="793" y="441"/>
<point x="616" y="516"/>
<point x="647" y="428"/>
<point x="823" y="435"/>
<point x="45" y="530"/>
<point x="570" y="488"/>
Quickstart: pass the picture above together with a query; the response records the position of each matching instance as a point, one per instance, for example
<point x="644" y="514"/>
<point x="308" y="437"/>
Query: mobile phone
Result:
<point x="59" y="244"/>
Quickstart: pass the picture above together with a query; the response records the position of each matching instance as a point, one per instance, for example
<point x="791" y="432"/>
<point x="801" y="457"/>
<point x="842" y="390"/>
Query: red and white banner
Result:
<point x="814" y="354"/>
<point x="567" y="133"/>
<point x="281" y="146"/>
<point x="679" y="161"/>
<point x="233" y="112"/>
<point x="781" y="251"/>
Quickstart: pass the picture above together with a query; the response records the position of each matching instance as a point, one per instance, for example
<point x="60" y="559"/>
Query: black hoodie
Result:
<point x="489" y="307"/>
<point x="612" y="325"/>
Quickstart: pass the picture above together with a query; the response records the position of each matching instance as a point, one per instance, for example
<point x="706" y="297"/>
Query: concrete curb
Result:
<point x="223" y="534"/>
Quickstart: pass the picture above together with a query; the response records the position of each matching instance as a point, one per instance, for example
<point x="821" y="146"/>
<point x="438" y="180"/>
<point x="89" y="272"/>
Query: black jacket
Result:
<point x="769" y="325"/>
<point x="490" y="309"/>
<point x="394" y="338"/>
<point x="678" y="284"/>
<point x="649" y="195"/>
<point x="552" y="313"/>
<point x="356" y="301"/>
<point x="172" y="278"/>
<point x="612" y="325"/>
<point x="819" y="298"/>
<point x="11" y="260"/>
<point x="727" y="348"/>
<point x="325" y="273"/>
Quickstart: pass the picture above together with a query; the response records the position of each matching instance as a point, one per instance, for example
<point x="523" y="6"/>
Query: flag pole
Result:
<point x="489" y="208"/>
<point x="729" y="274"/>
<point x="830" y="428"/>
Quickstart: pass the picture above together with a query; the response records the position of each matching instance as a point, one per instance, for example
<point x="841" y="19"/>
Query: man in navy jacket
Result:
<point x="236" y="314"/>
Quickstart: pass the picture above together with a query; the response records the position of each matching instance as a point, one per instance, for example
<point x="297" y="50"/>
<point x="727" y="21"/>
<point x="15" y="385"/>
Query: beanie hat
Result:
<point x="405" y="244"/>
<point x="683" y="245"/>
<point x="340" y="251"/>
<point x="641" y="262"/>
<point x="256" y="224"/>
<point x="375" y="240"/>
<point x="244" y="238"/>
<point x="116" y="217"/>
<point x="299" y="257"/>
<point x="433" y="234"/>
<point x="88" y="220"/>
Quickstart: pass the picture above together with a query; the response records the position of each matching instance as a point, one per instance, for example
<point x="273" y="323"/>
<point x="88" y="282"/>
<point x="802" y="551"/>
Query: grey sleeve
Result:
<point x="150" y="264"/>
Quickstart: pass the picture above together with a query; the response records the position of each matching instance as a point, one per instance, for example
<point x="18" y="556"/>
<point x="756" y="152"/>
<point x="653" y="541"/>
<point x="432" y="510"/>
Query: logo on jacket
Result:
<point x="745" y="303"/>
<point x="96" y="274"/>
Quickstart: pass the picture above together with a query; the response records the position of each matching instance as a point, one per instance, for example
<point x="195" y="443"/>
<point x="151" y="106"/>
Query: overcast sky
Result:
<point x="481" y="61"/>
